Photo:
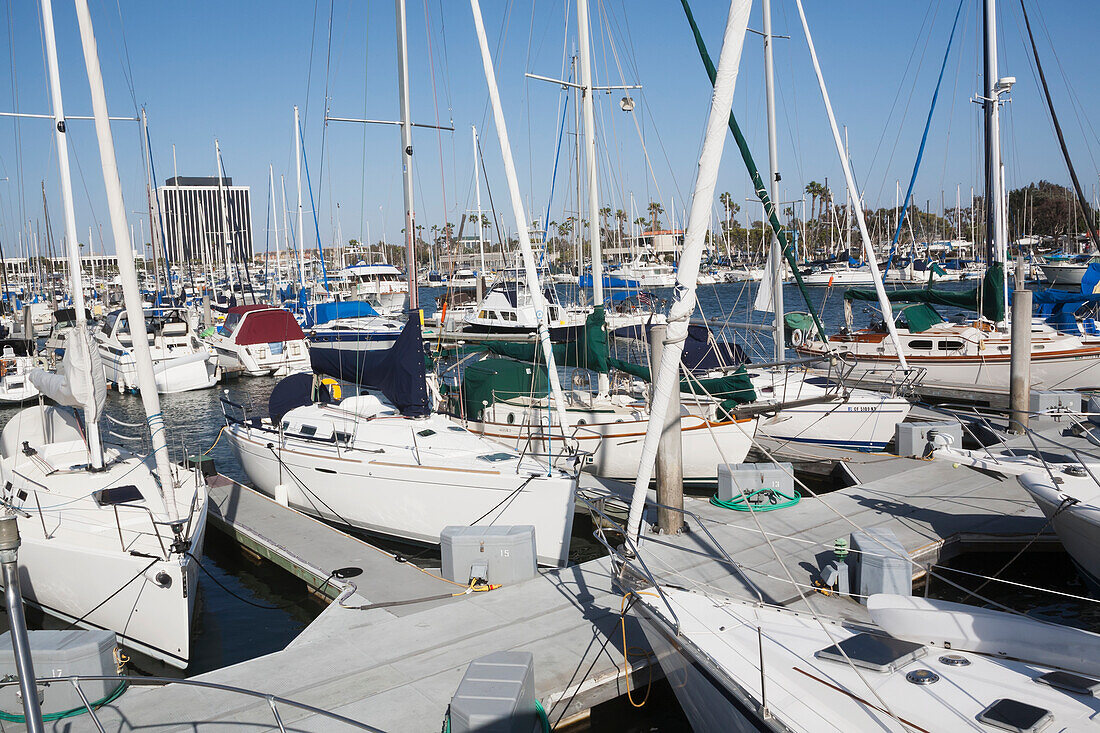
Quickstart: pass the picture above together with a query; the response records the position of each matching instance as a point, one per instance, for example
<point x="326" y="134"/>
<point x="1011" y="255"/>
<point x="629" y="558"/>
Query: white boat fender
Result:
<point x="282" y="494"/>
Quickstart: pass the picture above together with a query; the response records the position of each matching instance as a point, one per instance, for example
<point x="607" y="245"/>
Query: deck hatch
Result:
<point x="1013" y="715"/>
<point x="118" y="495"/>
<point x="878" y="653"/>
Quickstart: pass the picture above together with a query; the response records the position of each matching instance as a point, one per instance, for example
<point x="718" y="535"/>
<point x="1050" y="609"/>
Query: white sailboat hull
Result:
<point x="615" y="438"/>
<point x="864" y="420"/>
<point x="393" y="495"/>
<point x="260" y="360"/>
<point x="1077" y="525"/>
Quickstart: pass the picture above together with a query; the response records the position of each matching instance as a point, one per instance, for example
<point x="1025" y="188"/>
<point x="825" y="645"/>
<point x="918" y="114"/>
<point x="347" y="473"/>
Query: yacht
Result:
<point x="961" y="355"/>
<point x="509" y="308"/>
<point x="349" y="325"/>
<point x="181" y="361"/>
<point x="260" y="340"/>
<point x="648" y="272"/>
<point x="381" y="285"/>
<point x="17" y="359"/>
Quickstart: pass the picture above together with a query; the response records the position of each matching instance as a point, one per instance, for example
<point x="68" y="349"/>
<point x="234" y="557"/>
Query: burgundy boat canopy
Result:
<point x="261" y="325"/>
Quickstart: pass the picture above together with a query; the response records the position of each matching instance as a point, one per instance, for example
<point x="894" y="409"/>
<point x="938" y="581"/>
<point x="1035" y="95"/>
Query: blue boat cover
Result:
<point x="702" y="351"/>
<point x="609" y="281"/>
<point x="297" y="390"/>
<point x="330" y="311"/>
<point x="398" y="372"/>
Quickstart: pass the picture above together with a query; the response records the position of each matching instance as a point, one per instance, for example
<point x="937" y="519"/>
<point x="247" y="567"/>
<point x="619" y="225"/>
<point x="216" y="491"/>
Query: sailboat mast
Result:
<point x="301" y="226"/>
<point x="993" y="224"/>
<point x="775" y="256"/>
<point x="227" y="237"/>
<point x="588" y="105"/>
<point x="125" y="255"/>
<point x="275" y="221"/>
<point x="95" y="448"/>
<point x="477" y="187"/>
<point x="667" y="378"/>
<point x="523" y="233"/>
<point x="406" y="154"/>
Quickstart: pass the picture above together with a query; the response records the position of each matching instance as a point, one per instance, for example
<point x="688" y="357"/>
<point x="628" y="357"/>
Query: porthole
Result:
<point x="511" y="418"/>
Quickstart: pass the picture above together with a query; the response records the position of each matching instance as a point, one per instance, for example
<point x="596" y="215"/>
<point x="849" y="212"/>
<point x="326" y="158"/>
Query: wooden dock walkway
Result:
<point x="397" y="670"/>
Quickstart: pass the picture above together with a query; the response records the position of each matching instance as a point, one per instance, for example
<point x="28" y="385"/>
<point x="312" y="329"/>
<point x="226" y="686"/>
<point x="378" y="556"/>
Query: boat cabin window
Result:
<point x="308" y="430"/>
<point x="951" y="345"/>
<point x="342" y="437"/>
<point x="924" y="344"/>
<point x="425" y="433"/>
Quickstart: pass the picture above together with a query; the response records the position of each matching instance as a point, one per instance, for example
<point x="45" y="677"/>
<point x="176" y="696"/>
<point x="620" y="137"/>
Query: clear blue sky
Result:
<point x="233" y="70"/>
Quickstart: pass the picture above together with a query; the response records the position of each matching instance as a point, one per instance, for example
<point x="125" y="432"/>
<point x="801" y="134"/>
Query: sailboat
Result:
<point x="609" y="421"/>
<point x="921" y="665"/>
<point x="382" y="461"/>
<point x="967" y="355"/>
<point x="109" y="536"/>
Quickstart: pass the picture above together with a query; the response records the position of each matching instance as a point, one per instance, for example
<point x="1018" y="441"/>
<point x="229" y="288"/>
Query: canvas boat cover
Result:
<point x="264" y="325"/>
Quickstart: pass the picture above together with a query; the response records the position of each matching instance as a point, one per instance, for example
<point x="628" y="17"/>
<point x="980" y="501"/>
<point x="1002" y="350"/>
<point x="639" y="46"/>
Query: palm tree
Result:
<point x="655" y="210"/>
<point x="813" y="188"/>
<point x="620" y="222"/>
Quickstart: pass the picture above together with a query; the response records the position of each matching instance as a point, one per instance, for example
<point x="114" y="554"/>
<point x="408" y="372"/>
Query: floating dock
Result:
<point x="396" y="667"/>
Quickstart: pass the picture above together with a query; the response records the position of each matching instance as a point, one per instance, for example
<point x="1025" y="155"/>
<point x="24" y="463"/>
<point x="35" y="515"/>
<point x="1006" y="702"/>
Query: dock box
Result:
<point x="1043" y="400"/>
<point x="505" y="554"/>
<point x="496" y="695"/>
<point x="749" y="477"/>
<point x="61" y="654"/>
<point x="879" y="564"/>
<point x="912" y="438"/>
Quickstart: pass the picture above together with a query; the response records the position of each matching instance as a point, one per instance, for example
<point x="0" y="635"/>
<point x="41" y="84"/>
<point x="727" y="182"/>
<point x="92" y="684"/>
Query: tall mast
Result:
<point x="522" y="231"/>
<point x="227" y="237"/>
<point x="775" y="255"/>
<point x="588" y="105"/>
<point x="301" y="227"/>
<point x="667" y="378"/>
<point x="275" y="221"/>
<point x="993" y="231"/>
<point x="406" y="155"/>
<point x="125" y="255"/>
<point x="477" y="186"/>
<point x="95" y="449"/>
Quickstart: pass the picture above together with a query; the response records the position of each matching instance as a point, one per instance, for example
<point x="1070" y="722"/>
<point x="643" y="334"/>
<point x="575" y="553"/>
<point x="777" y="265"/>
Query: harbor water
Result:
<point x="247" y="608"/>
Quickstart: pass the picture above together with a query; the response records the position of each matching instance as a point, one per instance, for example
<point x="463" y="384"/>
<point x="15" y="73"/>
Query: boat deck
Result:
<point x="396" y="668"/>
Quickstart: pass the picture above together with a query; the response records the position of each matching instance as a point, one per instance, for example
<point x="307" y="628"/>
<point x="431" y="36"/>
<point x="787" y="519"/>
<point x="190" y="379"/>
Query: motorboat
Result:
<point x="17" y="359"/>
<point x="508" y="307"/>
<point x="349" y="325"/>
<point x="260" y="340"/>
<point x="381" y="285"/>
<point x="181" y="361"/>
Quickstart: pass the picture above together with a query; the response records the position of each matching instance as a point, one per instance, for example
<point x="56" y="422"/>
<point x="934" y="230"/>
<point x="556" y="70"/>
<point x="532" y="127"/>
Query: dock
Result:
<point x="396" y="667"/>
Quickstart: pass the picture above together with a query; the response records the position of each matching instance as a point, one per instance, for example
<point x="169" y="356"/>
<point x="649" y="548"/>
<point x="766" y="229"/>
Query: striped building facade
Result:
<point x="196" y="227"/>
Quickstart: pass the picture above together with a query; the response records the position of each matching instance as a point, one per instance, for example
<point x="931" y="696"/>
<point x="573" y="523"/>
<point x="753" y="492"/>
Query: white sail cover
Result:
<point x="79" y="381"/>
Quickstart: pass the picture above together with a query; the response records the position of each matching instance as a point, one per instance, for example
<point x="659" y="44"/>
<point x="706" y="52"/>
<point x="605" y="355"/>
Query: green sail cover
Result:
<point x="732" y="389"/>
<point x="920" y="317"/>
<point x="986" y="298"/>
<point x="491" y="380"/>
<point x="588" y="351"/>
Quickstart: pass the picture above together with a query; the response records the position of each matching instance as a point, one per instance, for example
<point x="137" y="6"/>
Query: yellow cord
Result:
<point x="215" y="440"/>
<point x="637" y="652"/>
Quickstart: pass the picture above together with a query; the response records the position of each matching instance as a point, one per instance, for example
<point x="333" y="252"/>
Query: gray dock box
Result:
<point x="749" y="477"/>
<point x="496" y="695"/>
<point x="506" y="553"/>
<point x="61" y="654"/>
<point x="879" y="564"/>
<point x="1042" y="400"/>
<point x="911" y="438"/>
